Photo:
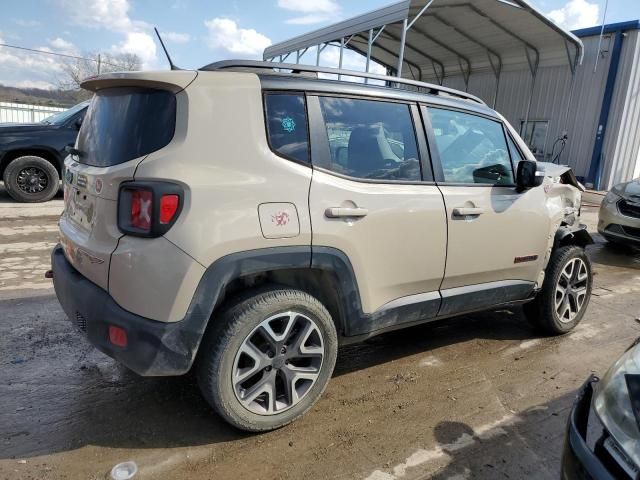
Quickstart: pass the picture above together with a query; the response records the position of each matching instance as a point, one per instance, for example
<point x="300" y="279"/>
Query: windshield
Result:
<point x="124" y="123"/>
<point x="62" y="117"/>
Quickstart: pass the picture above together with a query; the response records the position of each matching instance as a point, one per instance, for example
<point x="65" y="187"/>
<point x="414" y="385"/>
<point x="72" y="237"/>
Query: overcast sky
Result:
<point x="198" y="31"/>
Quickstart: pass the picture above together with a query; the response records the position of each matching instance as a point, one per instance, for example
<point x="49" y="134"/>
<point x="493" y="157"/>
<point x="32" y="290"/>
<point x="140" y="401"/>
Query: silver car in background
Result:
<point x="619" y="217"/>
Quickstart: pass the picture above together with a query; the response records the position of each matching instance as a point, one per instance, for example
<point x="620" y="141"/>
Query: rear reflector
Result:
<point x="168" y="208"/>
<point x="117" y="336"/>
<point x="141" y="204"/>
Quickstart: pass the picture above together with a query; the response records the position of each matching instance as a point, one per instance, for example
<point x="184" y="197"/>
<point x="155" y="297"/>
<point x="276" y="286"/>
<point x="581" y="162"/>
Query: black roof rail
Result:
<point x="297" y="68"/>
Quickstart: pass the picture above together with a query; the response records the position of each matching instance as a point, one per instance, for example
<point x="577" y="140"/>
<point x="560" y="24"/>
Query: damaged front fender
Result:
<point x="563" y="197"/>
<point x="561" y="174"/>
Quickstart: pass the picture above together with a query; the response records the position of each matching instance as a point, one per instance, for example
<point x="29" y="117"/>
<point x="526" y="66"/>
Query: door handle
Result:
<point x="466" y="211"/>
<point x="341" y="212"/>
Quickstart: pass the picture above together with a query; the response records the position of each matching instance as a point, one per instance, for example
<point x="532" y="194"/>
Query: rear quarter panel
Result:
<point x="222" y="158"/>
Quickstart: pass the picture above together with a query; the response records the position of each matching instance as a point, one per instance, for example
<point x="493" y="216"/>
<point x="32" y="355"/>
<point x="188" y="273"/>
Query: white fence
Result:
<point x="25" y="113"/>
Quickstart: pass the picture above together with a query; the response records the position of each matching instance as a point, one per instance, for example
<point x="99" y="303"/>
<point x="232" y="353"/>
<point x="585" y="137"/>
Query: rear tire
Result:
<point x="564" y="297"/>
<point x="279" y="346"/>
<point x="31" y="179"/>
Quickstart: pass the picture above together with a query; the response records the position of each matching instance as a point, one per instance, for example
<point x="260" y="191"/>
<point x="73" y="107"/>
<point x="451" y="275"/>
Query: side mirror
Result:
<point x="526" y="175"/>
<point x="78" y="123"/>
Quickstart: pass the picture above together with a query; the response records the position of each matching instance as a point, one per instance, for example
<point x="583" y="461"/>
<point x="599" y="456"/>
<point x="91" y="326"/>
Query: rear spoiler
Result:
<point x="172" y="80"/>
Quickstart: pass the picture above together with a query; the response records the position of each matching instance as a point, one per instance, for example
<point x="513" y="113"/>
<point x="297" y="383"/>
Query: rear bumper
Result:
<point x="153" y="348"/>
<point x="578" y="461"/>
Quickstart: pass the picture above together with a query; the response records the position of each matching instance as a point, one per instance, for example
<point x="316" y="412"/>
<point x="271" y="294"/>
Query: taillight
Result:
<point x="168" y="208"/>
<point x="141" y="208"/>
<point x="118" y="336"/>
<point x="148" y="209"/>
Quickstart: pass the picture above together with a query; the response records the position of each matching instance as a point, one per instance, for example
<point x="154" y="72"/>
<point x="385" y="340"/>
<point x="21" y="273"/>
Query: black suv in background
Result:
<point x="32" y="155"/>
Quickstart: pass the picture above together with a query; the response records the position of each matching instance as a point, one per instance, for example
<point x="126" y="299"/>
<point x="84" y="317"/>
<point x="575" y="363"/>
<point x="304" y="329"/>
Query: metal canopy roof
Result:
<point x="434" y="39"/>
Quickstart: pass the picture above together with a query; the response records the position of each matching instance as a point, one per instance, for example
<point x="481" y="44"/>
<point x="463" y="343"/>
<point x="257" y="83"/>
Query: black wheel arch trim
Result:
<point x="572" y="235"/>
<point x="353" y="323"/>
<point x="170" y="348"/>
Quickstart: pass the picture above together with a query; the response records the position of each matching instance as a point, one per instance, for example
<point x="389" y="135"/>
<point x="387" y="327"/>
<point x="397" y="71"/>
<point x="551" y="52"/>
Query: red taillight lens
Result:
<point x="141" y="207"/>
<point x="117" y="336"/>
<point x="168" y="207"/>
<point x="148" y="208"/>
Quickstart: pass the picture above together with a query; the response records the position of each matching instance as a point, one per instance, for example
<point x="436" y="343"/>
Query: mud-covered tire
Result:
<point x="546" y="311"/>
<point x="222" y="350"/>
<point x="21" y="170"/>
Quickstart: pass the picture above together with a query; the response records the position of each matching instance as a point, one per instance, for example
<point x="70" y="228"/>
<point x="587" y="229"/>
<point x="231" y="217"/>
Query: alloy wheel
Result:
<point x="32" y="180"/>
<point x="278" y="363"/>
<point x="571" y="289"/>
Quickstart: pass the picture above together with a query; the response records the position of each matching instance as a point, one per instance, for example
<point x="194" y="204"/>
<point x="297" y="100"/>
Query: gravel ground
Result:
<point x="477" y="397"/>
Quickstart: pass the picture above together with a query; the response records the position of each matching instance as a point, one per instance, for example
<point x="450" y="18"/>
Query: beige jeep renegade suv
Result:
<point x="246" y="221"/>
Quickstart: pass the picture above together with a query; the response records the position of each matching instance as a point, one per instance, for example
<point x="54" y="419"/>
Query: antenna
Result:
<point x="173" y="67"/>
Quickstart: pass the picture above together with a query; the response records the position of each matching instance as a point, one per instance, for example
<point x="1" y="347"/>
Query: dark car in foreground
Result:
<point x="32" y="155"/>
<point x="603" y="437"/>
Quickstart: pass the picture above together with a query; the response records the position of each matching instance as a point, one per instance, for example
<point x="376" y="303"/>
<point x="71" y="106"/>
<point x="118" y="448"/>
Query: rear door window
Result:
<point x="371" y="139"/>
<point x="472" y="149"/>
<point x="124" y="123"/>
<point x="287" y="125"/>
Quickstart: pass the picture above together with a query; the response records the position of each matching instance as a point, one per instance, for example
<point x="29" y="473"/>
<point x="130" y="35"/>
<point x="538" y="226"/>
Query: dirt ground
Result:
<point x="475" y="397"/>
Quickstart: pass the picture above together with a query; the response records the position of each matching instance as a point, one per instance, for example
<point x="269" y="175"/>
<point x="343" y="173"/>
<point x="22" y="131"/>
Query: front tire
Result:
<point x="267" y="359"/>
<point x="31" y="179"/>
<point x="565" y="293"/>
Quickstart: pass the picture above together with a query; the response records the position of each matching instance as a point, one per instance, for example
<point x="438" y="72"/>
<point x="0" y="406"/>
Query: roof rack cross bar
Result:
<point x="231" y="64"/>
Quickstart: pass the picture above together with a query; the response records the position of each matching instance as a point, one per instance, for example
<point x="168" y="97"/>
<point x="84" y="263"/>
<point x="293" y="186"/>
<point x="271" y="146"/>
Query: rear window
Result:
<point x="124" y="123"/>
<point x="287" y="125"/>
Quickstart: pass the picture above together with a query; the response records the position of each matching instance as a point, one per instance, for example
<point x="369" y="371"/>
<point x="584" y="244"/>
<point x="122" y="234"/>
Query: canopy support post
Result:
<point x="496" y="66"/>
<point x="404" y="45"/>
<point x="403" y="40"/>
<point x="406" y="26"/>
<point x="533" y="66"/>
<point x="466" y="73"/>
<point x="369" y="44"/>
<point x="320" y="49"/>
<point x="300" y="55"/>
<point x="340" y="57"/>
<point x="384" y="49"/>
<point x="439" y="77"/>
<point x="573" y="65"/>
<point x="370" y="41"/>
